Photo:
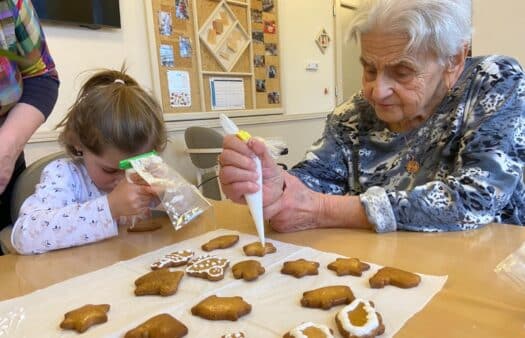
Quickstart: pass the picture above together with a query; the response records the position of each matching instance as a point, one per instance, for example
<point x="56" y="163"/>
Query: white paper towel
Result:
<point x="275" y="298"/>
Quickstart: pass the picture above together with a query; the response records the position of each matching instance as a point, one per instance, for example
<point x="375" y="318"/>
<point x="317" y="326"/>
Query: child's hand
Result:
<point x="130" y="199"/>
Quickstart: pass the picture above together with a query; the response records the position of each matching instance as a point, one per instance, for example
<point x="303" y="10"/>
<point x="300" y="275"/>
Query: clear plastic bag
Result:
<point x="180" y="199"/>
<point x="512" y="268"/>
<point x="10" y="322"/>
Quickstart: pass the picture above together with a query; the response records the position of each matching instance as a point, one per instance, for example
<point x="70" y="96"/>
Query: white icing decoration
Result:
<point x="210" y="265"/>
<point x="176" y="257"/>
<point x="298" y="332"/>
<point x="234" y="335"/>
<point x="372" y="322"/>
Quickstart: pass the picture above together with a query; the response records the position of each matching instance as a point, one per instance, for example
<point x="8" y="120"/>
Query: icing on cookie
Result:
<point x="173" y="259"/>
<point x="298" y="332"/>
<point x="358" y="318"/>
<point x="208" y="267"/>
<point x="234" y="335"/>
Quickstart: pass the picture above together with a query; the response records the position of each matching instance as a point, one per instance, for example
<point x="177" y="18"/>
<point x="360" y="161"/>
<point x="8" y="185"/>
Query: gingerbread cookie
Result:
<point x="208" y="267"/>
<point x="159" y="282"/>
<point x="393" y="276"/>
<point x="310" y="330"/>
<point x="173" y="259"/>
<point x="249" y="270"/>
<point x="146" y="225"/>
<point x="300" y="268"/>
<point x="234" y="335"/>
<point x="359" y="320"/>
<point x="327" y="296"/>
<point x="348" y="266"/>
<point x="84" y="317"/>
<point x="221" y="308"/>
<point x="256" y="249"/>
<point x="159" y="326"/>
<point x="221" y="242"/>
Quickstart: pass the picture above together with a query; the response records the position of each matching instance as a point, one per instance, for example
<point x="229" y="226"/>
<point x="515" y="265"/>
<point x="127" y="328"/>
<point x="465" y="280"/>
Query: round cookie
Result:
<point x="310" y="330"/>
<point x="359" y="320"/>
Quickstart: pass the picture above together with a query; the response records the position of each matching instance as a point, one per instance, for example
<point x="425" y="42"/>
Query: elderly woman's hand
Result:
<point x="238" y="174"/>
<point x="299" y="208"/>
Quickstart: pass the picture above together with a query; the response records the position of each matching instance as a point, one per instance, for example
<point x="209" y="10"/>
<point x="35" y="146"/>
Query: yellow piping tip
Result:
<point x="244" y="135"/>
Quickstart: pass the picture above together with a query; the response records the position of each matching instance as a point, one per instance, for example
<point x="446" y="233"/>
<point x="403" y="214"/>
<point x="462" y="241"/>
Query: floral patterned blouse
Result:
<point x="471" y="155"/>
<point x="67" y="209"/>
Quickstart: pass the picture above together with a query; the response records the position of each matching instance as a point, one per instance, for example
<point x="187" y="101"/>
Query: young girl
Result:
<point x="80" y="199"/>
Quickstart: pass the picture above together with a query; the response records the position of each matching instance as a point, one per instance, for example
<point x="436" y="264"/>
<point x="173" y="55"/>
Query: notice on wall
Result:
<point x="179" y="88"/>
<point x="227" y="93"/>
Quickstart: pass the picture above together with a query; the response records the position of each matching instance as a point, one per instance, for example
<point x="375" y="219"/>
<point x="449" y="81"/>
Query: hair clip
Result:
<point x="119" y="81"/>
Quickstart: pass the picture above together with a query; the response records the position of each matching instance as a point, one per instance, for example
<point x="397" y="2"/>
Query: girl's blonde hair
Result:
<point x="112" y="110"/>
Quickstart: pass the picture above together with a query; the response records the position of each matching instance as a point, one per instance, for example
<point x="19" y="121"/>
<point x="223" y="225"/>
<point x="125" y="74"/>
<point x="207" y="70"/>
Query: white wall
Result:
<point x="499" y="28"/>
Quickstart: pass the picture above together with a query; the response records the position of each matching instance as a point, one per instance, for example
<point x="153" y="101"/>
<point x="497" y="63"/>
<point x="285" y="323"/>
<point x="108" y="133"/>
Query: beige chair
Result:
<point x="23" y="188"/>
<point x="204" y="145"/>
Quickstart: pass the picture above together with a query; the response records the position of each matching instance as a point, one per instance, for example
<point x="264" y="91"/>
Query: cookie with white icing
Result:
<point x="359" y="319"/>
<point x="234" y="335"/>
<point x="310" y="330"/>
<point x="174" y="259"/>
<point x="208" y="267"/>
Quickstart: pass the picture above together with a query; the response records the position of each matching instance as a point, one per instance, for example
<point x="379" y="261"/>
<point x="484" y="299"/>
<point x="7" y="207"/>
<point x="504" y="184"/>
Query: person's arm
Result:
<point x="301" y="208"/>
<point x="489" y="165"/>
<point x="40" y="89"/>
<point x="60" y="213"/>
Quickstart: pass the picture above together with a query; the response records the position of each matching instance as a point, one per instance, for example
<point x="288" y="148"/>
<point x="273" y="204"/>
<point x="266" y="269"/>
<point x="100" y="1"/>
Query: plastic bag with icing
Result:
<point x="180" y="199"/>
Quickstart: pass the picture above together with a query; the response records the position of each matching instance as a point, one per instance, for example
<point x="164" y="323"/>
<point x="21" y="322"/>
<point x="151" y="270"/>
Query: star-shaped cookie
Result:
<point x="300" y="268"/>
<point x="348" y="266"/>
<point x="84" y="317"/>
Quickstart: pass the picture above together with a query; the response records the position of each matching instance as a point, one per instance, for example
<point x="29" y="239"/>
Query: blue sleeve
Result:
<point x="325" y="167"/>
<point x="41" y="92"/>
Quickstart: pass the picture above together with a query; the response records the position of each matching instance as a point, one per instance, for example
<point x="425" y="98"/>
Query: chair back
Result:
<point x="28" y="179"/>
<point x="204" y="145"/>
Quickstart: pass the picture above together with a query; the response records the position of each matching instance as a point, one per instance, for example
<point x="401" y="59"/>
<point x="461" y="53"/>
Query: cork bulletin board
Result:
<point x="215" y="55"/>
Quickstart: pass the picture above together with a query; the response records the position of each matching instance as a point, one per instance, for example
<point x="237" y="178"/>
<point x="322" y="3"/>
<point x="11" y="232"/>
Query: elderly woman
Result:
<point x="435" y="141"/>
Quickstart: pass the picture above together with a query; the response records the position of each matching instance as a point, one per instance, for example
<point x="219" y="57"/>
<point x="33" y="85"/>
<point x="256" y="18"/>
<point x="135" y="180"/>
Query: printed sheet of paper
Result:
<point x="179" y="88"/>
<point x="227" y="93"/>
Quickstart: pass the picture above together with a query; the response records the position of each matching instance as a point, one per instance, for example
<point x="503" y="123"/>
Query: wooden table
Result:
<point x="474" y="302"/>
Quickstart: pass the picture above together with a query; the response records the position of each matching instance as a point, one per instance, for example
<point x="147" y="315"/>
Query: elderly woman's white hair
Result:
<point x="442" y="27"/>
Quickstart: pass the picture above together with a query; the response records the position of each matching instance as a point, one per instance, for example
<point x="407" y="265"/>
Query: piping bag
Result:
<point x="130" y="172"/>
<point x="254" y="200"/>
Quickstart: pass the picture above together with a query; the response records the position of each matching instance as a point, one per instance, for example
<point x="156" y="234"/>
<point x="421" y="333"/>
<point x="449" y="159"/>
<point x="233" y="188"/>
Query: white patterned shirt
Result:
<point x="67" y="209"/>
